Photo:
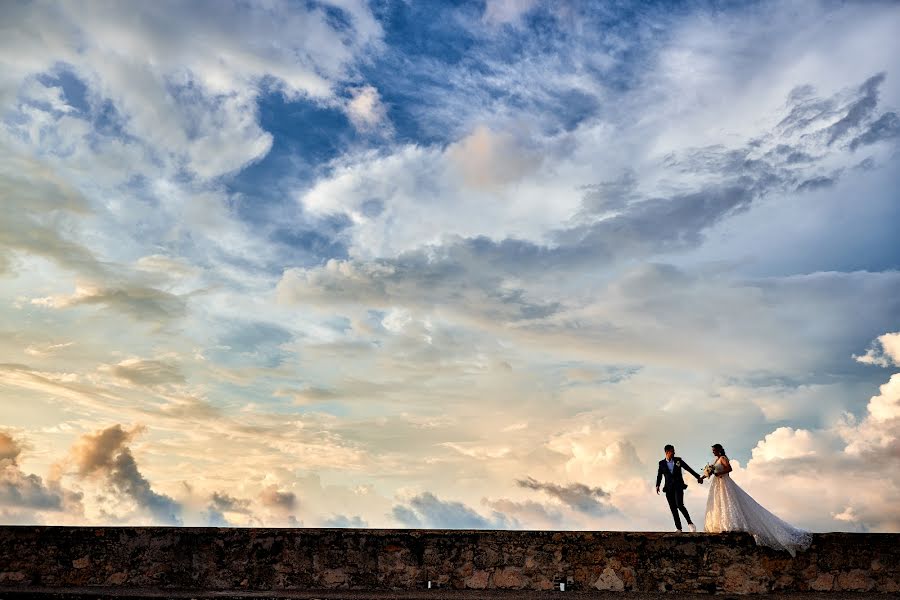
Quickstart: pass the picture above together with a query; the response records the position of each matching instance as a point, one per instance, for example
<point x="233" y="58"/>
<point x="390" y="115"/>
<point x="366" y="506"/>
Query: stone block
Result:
<point x="823" y="583"/>
<point x="609" y="581"/>
<point x="478" y="580"/>
<point x="741" y="579"/>
<point x="888" y="585"/>
<point x="509" y="578"/>
<point x="856" y="580"/>
<point x="332" y="578"/>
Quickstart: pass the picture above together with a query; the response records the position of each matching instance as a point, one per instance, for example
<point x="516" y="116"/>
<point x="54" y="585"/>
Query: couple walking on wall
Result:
<point x="728" y="506"/>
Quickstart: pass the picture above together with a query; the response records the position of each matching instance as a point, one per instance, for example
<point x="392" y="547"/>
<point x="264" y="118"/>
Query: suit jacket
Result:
<point x="674" y="479"/>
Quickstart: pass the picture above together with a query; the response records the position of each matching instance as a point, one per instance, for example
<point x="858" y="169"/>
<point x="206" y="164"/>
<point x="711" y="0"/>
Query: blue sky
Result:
<point x="398" y="264"/>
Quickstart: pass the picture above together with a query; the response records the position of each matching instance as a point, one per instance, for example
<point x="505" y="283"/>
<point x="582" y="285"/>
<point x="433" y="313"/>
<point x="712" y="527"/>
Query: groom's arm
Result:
<point x="689" y="469"/>
<point x="659" y="474"/>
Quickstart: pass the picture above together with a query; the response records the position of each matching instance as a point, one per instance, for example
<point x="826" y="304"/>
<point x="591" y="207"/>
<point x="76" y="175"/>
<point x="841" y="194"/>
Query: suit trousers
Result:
<point x="676" y="503"/>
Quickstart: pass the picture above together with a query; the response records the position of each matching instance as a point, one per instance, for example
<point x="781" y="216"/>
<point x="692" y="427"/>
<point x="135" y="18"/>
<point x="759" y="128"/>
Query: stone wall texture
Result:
<point x="232" y="559"/>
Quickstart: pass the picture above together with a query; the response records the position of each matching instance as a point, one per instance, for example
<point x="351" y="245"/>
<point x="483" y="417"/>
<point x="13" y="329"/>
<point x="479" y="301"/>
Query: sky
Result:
<point x="412" y="264"/>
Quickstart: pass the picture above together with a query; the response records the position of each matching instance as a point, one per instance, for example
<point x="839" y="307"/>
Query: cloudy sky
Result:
<point x="407" y="264"/>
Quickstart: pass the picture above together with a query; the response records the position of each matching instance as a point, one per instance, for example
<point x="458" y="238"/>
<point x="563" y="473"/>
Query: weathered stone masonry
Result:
<point x="321" y="559"/>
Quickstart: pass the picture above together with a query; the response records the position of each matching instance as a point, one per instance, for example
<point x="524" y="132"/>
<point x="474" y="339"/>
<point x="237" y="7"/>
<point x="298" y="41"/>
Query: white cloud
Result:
<point x="210" y="126"/>
<point x="885" y="407"/>
<point x="785" y="443"/>
<point x="477" y="452"/>
<point x="506" y="11"/>
<point x="365" y="108"/>
<point x="596" y="457"/>
<point x="46" y="350"/>
<point x="884" y="352"/>
<point x="487" y="159"/>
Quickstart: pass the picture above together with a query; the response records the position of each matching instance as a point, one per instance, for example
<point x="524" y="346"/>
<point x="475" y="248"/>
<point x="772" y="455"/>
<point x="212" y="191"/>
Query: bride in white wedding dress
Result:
<point x="730" y="508"/>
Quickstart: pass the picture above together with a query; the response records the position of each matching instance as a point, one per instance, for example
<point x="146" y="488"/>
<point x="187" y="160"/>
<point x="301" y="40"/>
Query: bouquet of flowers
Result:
<point x="709" y="470"/>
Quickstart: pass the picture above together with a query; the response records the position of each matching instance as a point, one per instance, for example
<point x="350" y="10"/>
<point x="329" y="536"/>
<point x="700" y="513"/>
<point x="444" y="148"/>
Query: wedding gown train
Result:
<point x="730" y="508"/>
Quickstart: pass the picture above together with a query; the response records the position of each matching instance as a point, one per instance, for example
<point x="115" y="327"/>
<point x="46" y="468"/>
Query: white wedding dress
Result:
<point x="730" y="508"/>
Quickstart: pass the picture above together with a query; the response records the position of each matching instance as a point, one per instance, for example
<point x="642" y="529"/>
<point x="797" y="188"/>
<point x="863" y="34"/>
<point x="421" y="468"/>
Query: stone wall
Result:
<point x="363" y="559"/>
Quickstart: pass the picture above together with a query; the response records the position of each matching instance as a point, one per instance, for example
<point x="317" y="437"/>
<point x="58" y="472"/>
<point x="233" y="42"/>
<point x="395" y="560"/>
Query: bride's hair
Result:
<point x="718" y="448"/>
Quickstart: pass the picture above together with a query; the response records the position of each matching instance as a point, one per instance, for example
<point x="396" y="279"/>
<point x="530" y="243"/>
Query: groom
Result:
<point x="670" y="468"/>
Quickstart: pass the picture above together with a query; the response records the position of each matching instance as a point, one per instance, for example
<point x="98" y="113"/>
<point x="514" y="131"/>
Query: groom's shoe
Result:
<point x="692" y="527"/>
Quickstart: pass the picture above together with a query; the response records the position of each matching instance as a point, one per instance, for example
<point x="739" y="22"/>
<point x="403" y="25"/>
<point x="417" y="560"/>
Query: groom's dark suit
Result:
<point x="675" y="486"/>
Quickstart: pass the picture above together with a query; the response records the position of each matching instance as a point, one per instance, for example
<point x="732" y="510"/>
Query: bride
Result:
<point x="730" y="508"/>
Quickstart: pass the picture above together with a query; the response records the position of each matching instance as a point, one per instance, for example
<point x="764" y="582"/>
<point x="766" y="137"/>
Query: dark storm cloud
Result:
<point x="885" y="128"/>
<point x="128" y="479"/>
<point x="28" y="490"/>
<point x="272" y="496"/>
<point x="219" y="504"/>
<point x="866" y="164"/>
<point x="106" y="452"/>
<point x="21" y="490"/>
<point x="427" y="510"/>
<point x="797" y="157"/>
<point x="853" y="114"/>
<point x="610" y="195"/>
<point x="847" y="111"/>
<point x="658" y="224"/>
<point x="592" y="501"/>
<point x="406" y="517"/>
<point x="859" y="110"/>
<point x="816" y="183"/>
<point x="345" y="522"/>
<point x="223" y="502"/>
